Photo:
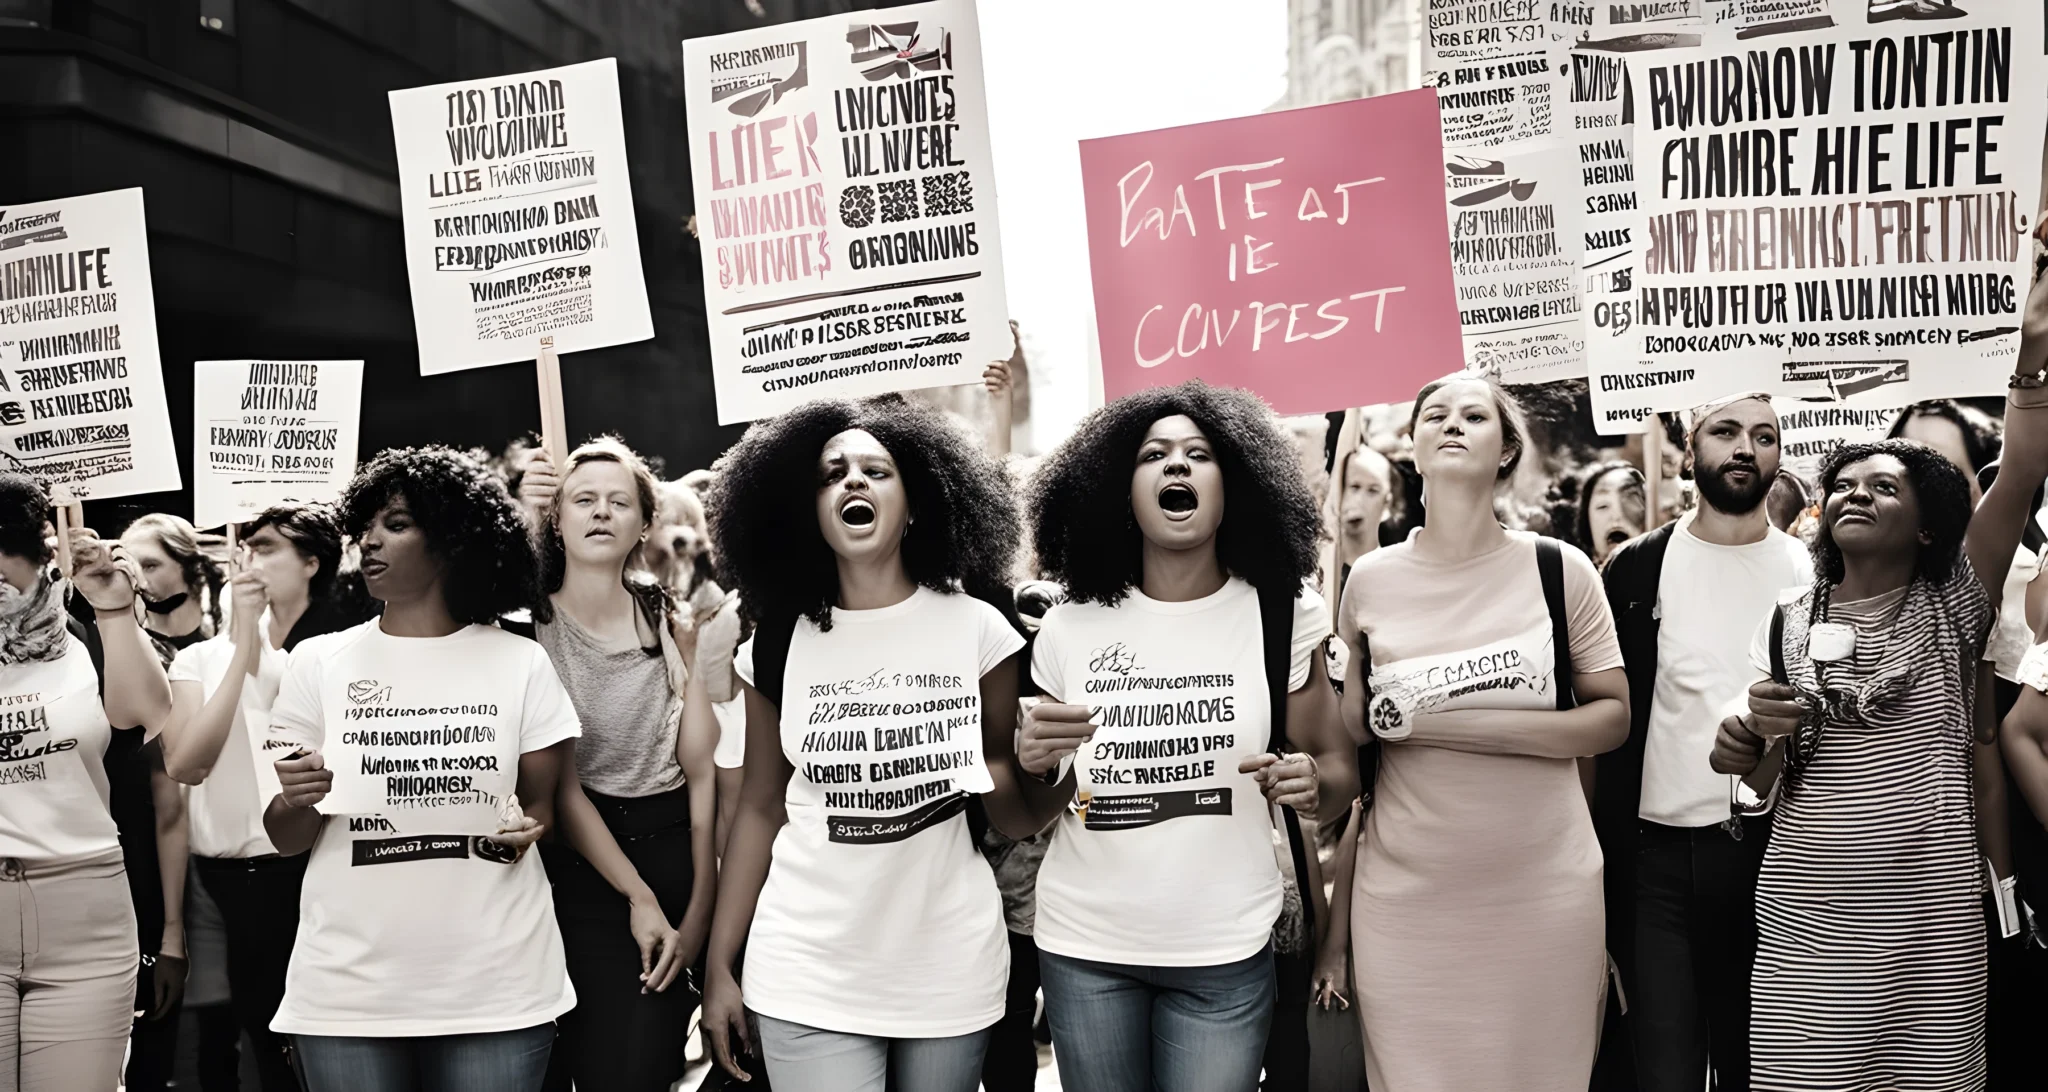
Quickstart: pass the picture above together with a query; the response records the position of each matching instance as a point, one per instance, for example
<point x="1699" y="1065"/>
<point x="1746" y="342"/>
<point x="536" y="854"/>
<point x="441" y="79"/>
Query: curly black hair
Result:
<point x="469" y="521"/>
<point x="1080" y="500"/>
<point x="764" y="519"/>
<point x="1943" y="493"/>
<point x="24" y="508"/>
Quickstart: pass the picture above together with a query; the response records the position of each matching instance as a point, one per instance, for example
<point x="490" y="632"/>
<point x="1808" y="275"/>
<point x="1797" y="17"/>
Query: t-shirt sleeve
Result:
<point x="1311" y="627"/>
<point x="1587" y="615"/>
<point x="731" y="752"/>
<point x="1759" y="666"/>
<point x="743" y="661"/>
<point x="296" y="715"/>
<point x="999" y="639"/>
<point x="187" y="667"/>
<point x="549" y="716"/>
<point x="1048" y="666"/>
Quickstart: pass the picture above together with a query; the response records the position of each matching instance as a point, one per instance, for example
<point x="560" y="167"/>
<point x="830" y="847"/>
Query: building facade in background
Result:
<point x="1350" y="49"/>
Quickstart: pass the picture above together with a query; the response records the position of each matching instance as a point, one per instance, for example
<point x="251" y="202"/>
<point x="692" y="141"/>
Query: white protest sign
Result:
<point x="518" y="216"/>
<point x="268" y="432"/>
<point x="81" y="384"/>
<point x="846" y="206"/>
<point x="1516" y="240"/>
<point x="1829" y="213"/>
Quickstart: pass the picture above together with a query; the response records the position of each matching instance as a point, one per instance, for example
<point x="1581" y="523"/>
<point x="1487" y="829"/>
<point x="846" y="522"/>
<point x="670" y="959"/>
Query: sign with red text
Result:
<point x="1300" y="254"/>
<point x="846" y="207"/>
<point x="518" y="216"/>
<point x="268" y="432"/>
<point x="81" y="383"/>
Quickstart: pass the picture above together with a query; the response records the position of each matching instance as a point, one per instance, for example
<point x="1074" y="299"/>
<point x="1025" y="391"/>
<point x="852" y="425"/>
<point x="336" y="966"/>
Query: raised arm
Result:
<point x="2002" y="515"/>
<point x="138" y="695"/>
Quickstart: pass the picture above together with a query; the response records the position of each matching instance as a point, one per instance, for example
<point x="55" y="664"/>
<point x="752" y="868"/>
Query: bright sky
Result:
<point x="1060" y="71"/>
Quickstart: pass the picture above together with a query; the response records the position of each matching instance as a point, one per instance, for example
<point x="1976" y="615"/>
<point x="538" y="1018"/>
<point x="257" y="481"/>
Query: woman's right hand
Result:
<point x="1737" y="750"/>
<point x="538" y="484"/>
<point x="1050" y="733"/>
<point x="304" y="779"/>
<point x="725" y="1019"/>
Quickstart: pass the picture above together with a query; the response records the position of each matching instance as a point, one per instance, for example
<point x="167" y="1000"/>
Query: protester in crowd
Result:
<point x="281" y="594"/>
<point x="1681" y="866"/>
<point x="181" y="586"/>
<point x="72" y="684"/>
<point x="1487" y="667"/>
<point x="1867" y="683"/>
<point x="1790" y="496"/>
<point x="634" y="882"/>
<point x="871" y="543"/>
<point x="1365" y="501"/>
<point x="427" y="963"/>
<point x="1611" y="509"/>
<point x="1177" y="519"/>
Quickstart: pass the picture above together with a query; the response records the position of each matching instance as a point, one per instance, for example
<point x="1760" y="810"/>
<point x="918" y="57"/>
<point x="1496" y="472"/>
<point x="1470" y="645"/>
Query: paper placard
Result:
<point x="81" y="383"/>
<point x="846" y="207"/>
<point x="518" y="216"/>
<point x="268" y="432"/>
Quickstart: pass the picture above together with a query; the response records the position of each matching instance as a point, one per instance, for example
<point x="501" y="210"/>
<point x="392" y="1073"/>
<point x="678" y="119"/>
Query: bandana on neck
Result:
<point x="32" y="622"/>
<point x="167" y="604"/>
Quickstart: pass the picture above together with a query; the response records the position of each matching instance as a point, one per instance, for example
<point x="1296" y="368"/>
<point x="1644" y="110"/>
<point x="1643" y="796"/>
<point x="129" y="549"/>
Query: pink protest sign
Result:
<point x="1300" y="254"/>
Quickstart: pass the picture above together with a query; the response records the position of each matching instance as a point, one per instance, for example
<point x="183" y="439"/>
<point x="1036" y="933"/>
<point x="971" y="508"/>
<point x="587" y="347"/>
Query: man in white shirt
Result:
<point x="1681" y="866"/>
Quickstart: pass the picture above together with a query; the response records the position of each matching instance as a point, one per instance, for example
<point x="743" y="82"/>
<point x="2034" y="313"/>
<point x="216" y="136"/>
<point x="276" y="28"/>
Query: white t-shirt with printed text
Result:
<point x="225" y="812"/>
<point x="1170" y="863"/>
<point x="879" y="916"/>
<point x="53" y="774"/>
<point x="424" y="934"/>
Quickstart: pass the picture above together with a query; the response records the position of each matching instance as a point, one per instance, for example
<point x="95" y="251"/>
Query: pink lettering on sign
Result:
<point x="1300" y="254"/>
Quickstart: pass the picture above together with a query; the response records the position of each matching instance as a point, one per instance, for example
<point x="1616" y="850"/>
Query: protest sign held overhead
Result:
<point x="1832" y="212"/>
<point x="271" y="432"/>
<point x="1300" y="254"/>
<point x="1516" y="241"/>
<point x="518" y="216"/>
<point x="81" y="385"/>
<point x="1495" y="67"/>
<point x="846" y="207"/>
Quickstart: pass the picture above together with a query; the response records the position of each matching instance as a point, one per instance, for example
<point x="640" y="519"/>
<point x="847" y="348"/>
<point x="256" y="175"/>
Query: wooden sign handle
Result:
<point x="70" y="514"/>
<point x="554" y="432"/>
<point x="1653" y="471"/>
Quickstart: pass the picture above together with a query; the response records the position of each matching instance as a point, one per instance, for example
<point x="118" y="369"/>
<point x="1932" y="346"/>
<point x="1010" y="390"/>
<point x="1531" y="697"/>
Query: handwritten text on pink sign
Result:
<point x="1299" y="254"/>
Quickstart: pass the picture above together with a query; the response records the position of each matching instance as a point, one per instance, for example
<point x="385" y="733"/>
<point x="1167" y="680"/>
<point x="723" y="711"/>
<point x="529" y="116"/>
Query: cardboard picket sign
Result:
<point x="1299" y="254"/>
<point x="846" y="207"/>
<point x="81" y="382"/>
<point x="268" y="432"/>
<point x="518" y="217"/>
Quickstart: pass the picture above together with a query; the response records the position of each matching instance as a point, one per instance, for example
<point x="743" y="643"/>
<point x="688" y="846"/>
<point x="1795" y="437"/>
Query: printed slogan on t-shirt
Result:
<point x="1166" y="746"/>
<point x="435" y="766"/>
<point x="892" y="753"/>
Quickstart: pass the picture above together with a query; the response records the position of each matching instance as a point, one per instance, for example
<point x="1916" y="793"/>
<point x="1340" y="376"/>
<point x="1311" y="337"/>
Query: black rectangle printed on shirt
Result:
<point x="1152" y="808"/>
<point x="424" y="847"/>
<point x="874" y="830"/>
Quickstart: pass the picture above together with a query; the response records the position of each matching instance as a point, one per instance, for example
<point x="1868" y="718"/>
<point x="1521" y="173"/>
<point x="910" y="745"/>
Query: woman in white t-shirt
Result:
<point x="222" y="690"/>
<point x="1176" y="518"/>
<point x="425" y="960"/>
<point x="870" y="541"/>
<point x="67" y="924"/>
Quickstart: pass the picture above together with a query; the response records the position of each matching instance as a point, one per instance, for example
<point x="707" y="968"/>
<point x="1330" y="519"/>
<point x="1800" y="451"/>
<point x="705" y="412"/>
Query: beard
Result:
<point x="1716" y="490"/>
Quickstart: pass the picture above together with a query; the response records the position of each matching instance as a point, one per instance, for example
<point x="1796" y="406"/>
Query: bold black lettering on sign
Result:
<point x="867" y="830"/>
<point x="1126" y="812"/>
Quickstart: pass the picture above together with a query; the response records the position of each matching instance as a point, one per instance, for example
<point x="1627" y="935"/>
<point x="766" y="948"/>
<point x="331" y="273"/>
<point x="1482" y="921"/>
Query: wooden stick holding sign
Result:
<point x="1653" y="470"/>
<point x="554" y="432"/>
<point x="70" y="514"/>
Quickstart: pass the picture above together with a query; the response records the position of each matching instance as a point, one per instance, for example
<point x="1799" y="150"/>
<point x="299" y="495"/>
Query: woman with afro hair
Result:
<point x="1862" y="726"/>
<point x="1177" y="519"/>
<point x="870" y="542"/>
<point x="432" y="961"/>
<point x="1477" y="900"/>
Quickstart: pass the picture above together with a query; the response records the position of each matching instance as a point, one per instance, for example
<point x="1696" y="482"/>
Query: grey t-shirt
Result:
<point x="629" y="711"/>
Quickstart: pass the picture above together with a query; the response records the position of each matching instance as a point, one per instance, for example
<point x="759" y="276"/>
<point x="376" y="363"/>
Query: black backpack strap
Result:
<point x="1276" y="625"/>
<point x="771" y="657"/>
<point x="1778" y="674"/>
<point x="1550" y="567"/>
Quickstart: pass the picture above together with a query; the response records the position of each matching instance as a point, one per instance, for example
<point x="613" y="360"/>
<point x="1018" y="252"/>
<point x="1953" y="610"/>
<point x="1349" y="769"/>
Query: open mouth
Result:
<point x="857" y="513"/>
<point x="1178" y="499"/>
<point x="1617" y="536"/>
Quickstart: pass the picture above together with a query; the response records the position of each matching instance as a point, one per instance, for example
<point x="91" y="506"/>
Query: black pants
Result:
<point x="1011" y="1062"/>
<point x="1286" y="1060"/>
<point x="259" y="903"/>
<point x="1695" y="947"/>
<point x="616" y="1037"/>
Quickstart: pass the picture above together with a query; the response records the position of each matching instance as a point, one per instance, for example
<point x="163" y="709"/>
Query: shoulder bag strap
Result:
<point x="1550" y="566"/>
<point x="1276" y="624"/>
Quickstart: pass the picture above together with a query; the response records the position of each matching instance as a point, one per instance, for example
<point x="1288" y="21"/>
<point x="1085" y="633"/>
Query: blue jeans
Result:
<point x="808" y="1059"/>
<point x="499" y="1061"/>
<point x="1118" y="1028"/>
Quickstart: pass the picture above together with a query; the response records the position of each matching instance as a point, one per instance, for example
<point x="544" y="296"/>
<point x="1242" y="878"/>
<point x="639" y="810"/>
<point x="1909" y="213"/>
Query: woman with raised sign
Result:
<point x="425" y="961"/>
<point x="68" y="959"/>
<point x="1179" y="679"/>
<point x="638" y="805"/>
<point x="871" y="544"/>
<point x="1485" y="662"/>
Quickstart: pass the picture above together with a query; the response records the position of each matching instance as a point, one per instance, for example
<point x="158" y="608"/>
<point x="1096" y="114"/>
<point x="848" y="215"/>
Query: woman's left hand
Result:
<point x="661" y="947"/>
<point x="516" y="828"/>
<point x="1289" y="781"/>
<point x="102" y="572"/>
